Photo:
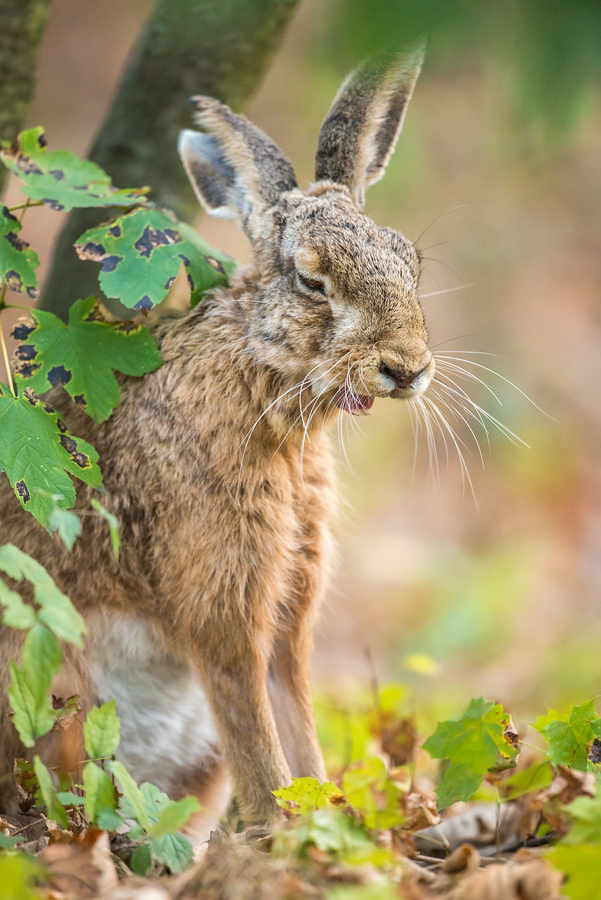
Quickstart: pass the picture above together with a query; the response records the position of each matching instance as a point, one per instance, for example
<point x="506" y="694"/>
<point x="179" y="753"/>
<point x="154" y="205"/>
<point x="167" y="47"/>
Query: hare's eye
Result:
<point x="312" y="284"/>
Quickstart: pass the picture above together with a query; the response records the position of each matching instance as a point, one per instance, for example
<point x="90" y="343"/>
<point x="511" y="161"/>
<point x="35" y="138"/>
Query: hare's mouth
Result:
<point x="350" y="402"/>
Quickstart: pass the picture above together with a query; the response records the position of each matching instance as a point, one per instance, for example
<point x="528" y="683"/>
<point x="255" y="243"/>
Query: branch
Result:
<point x="21" y="27"/>
<point x="215" y="47"/>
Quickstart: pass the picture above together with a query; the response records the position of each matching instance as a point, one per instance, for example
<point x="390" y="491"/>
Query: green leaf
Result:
<point x="38" y="454"/>
<point x="173" y="850"/>
<point x="17" y="613"/>
<point x="68" y="798"/>
<point x="60" y="179"/>
<point x="206" y="266"/>
<point x="113" y="524"/>
<point x="174" y="816"/>
<point x="17" y="259"/>
<point x="568" y="736"/>
<point x="99" y="792"/>
<point x="528" y="781"/>
<point x="83" y="355"/>
<point x="141" y="253"/>
<point x="582" y="867"/>
<point x="56" y="810"/>
<point x="372" y="793"/>
<point x="101" y="731"/>
<point x="17" y="874"/>
<point x="134" y="797"/>
<point x="458" y="782"/>
<point x="472" y="744"/>
<point x="28" y="690"/>
<point x="7" y="842"/>
<point x="338" y="834"/>
<point x="307" y="794"/>
<point x="585" y="813"/>
<point x="141" y="860"/>
<point x="57" y="611"/>
<point x="66" y="523"/>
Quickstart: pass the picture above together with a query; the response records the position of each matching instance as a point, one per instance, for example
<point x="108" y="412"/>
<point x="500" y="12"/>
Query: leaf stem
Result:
<point x="9" y="377"/>
<point x="3" y="343"/>
<point x="25" y="206"/>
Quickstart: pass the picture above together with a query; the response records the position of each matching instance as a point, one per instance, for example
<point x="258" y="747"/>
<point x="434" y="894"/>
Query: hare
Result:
<point x="218" y="465"/>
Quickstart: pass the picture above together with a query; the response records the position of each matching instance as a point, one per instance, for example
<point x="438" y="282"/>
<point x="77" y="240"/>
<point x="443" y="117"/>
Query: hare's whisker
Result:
<point x="472" y="362"/>
<point x="439" y="216"/>
<point x="444" y="364"/>
<point x="456" y="413"/>
<point x="459" y="287"/>
<point x="465" y="475"/>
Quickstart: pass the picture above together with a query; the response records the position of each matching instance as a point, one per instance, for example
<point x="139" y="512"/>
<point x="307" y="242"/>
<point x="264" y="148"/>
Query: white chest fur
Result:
<point x="167" y="730"/>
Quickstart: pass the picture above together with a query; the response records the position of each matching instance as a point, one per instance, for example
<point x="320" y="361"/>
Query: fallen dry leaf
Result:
<point x="81" y="869"/>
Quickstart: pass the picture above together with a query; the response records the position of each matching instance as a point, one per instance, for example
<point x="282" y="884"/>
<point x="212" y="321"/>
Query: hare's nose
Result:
<point x="401" y="379"/>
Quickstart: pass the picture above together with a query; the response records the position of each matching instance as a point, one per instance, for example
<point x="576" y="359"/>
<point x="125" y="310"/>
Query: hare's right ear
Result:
<point x="361" y="129"/>
<point x="236" y="170"/>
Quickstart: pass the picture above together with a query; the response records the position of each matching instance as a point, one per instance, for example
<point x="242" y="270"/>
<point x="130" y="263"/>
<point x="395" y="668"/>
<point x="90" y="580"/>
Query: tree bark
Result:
<point x="21" y="28"/>
<point x="215" y="47"/>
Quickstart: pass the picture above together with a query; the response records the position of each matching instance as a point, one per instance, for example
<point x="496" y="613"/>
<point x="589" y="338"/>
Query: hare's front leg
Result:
<point x="290" y="691"/>
<point x="234" y="672"/>
<point x="290" y="682"/>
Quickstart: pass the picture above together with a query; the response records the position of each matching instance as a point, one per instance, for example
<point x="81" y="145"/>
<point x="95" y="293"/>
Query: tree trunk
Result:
<point x="215" y="47"/>
<point x="21" y="28"/>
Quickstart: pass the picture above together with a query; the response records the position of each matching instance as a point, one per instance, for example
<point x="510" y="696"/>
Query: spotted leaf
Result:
<point x="17" y="259"/>
<point x="59" y="178"/>
<point x="38" y="454"/>
<point x="82" y="355"/>
<point x="141" y="253"/>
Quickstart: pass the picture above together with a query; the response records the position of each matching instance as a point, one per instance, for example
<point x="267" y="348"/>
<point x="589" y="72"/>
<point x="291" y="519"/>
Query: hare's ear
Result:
<point x="361" y="129"/>
<point x="235" y="169"/>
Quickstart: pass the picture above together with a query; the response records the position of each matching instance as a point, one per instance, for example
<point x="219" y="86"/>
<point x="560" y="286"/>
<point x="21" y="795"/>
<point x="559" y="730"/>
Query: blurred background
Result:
<point x="456" y="578"/>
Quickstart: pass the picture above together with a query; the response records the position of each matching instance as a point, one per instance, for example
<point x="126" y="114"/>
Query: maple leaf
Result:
<point x="83" y="355"/>
<point x="473" y="745"/>
<point x="569" y="734"/>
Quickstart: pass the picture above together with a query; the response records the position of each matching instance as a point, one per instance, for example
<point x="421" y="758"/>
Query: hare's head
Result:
<point x="336" y="307"/>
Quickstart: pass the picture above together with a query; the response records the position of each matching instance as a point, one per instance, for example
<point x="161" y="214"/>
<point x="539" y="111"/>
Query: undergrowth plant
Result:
<point x="141" y="249"/>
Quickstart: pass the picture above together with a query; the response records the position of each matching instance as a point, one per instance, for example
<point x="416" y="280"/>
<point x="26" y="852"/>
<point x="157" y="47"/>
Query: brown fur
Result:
<point x="218" y="466"/>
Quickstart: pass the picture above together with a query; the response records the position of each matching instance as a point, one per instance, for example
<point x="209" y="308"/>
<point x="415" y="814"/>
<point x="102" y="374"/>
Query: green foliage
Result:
<point x="533" y="778"/>
<point x="56" y="610"/>
<point x="101" y="731"/>
<point x="307" y="794"/>
<point x="141" y="253"/>
<point x="100" y="799"/>
<point x="568" y="735"/>
<point x="554" y="45"/>
<point x="60" y="179"/>
<point x="55" y="808"/>
<point x="112" y="523"/>
<point x="334" y="832"/>
<point x="160" y="819"/>
<point x="66" y="523"/>
<point x="18" y="872"/>
<point x="585" y="813"/>
<point x="38" y="454"/>
<point x="83" y="355"/>
<point x="472" y="744"/>
<point x="17" y="259"/>
<point x="33" y="714"/>
<point x="373" y="794"/>
<point x="54" y="618"/>
<point x="581" y="866"/>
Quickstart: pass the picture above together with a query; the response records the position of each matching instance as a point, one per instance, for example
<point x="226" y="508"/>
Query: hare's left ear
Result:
<point x="361" y="129"/>
<point x="235" y="169"/>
